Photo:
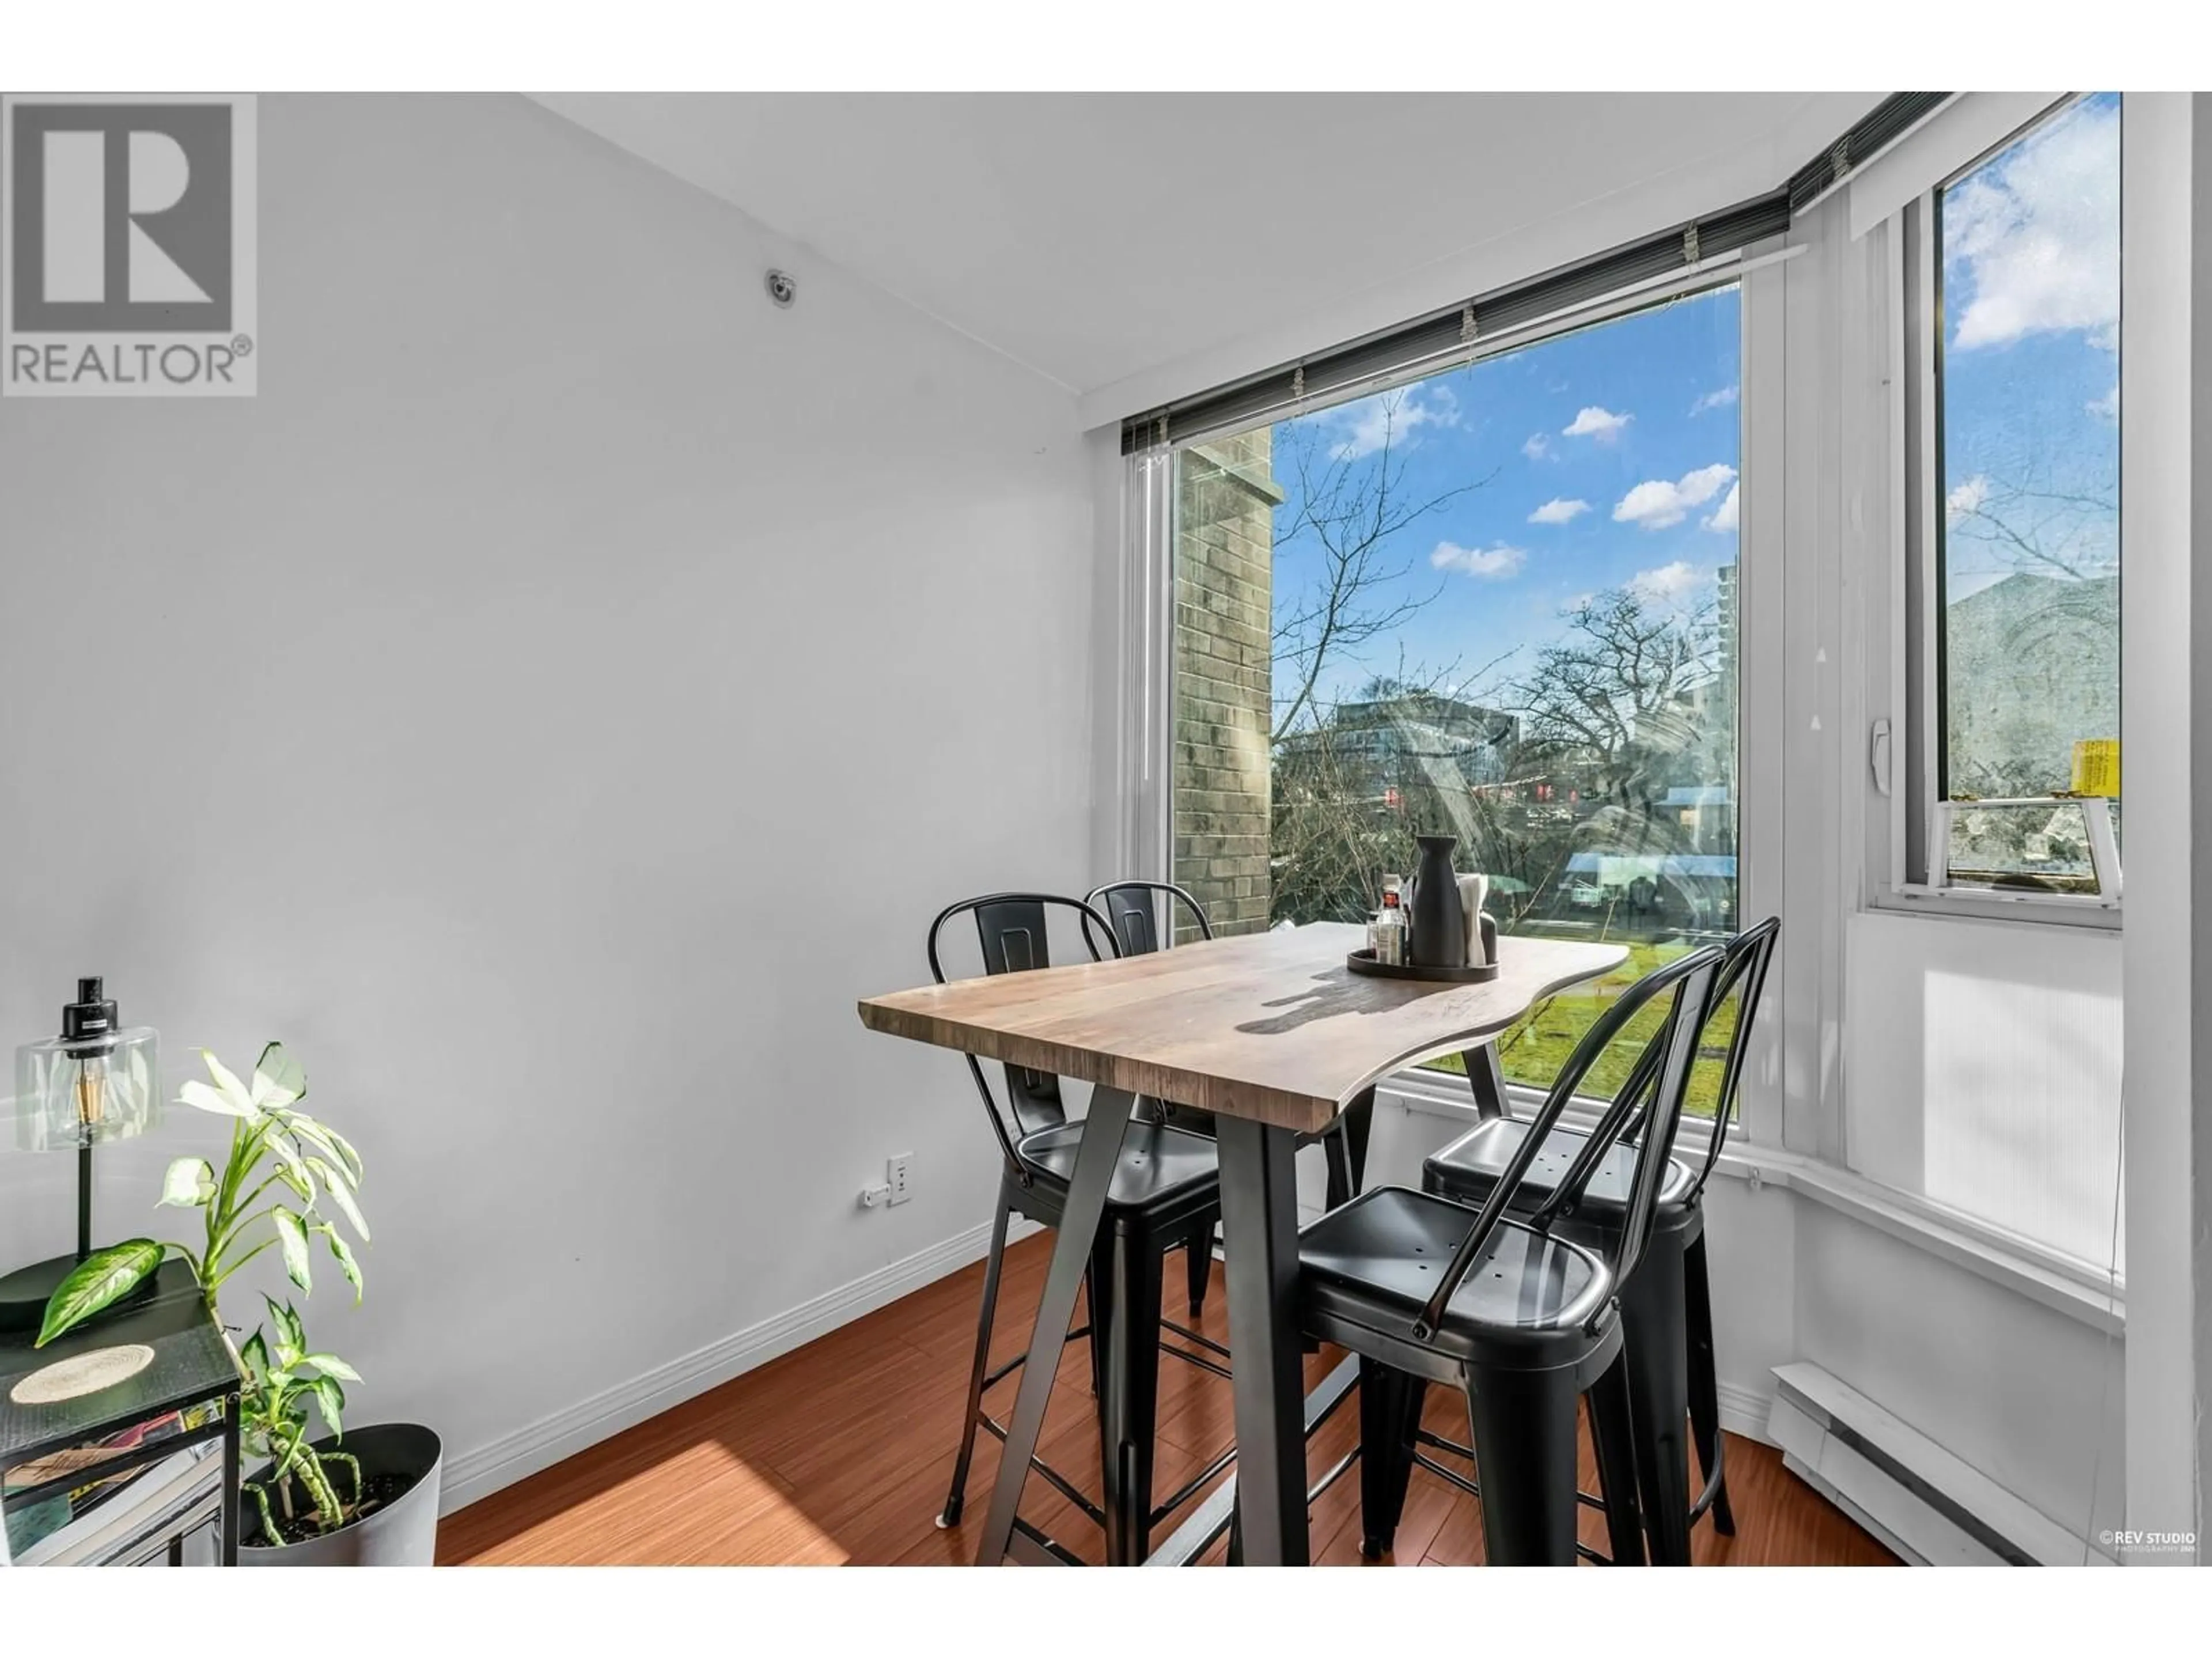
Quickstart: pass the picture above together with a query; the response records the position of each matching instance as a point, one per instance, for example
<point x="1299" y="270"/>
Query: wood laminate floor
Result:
<point x="840" y="1452"/>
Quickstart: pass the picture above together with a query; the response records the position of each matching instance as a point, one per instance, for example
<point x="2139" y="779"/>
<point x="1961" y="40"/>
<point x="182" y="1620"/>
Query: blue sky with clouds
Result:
<point x="1609" y="458"/>
<point x="1603" y="459"/>
<point x="2030" y="354"/>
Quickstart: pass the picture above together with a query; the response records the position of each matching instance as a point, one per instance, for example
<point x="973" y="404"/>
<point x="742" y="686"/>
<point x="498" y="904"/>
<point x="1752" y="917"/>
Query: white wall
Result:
<point x="547" y="707"/>
<point x="1982" y="1066"/>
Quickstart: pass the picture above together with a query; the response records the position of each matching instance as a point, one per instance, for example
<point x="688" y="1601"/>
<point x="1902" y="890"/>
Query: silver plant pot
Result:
<point x="401" y="1533"/>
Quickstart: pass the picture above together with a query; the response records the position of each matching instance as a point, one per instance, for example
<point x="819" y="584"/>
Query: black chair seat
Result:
<point x="1160" y="1167"/>
<point x="1469" y="1167"/>
<point x="1375" y="1261"/>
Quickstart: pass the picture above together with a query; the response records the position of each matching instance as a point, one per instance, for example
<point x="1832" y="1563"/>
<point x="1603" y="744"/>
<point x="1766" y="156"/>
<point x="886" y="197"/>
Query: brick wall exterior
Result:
<point x="1224" y="532"/>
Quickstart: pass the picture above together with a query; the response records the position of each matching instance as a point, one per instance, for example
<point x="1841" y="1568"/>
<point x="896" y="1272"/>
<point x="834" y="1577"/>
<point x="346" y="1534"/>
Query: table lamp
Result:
<point x="96" y="1081"/>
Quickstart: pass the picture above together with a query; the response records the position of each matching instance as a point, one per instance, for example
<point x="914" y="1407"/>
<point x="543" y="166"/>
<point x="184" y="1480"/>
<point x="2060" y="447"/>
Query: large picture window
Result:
<point x="1500" y="604"/>
<point x="2024" y="340"/>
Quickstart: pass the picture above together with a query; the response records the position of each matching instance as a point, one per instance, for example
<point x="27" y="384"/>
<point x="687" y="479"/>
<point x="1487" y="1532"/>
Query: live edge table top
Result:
<point x="1268" y="1026"/>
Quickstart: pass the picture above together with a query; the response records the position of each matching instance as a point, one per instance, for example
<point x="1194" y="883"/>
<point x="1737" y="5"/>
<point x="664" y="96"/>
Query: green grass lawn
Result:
<point x="1534" y="1049"/>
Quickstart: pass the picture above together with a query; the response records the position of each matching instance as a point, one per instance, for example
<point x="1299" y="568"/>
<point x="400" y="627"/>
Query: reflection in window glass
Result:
<point x="1498" y="604"/>
<point x="2030" y="461"/>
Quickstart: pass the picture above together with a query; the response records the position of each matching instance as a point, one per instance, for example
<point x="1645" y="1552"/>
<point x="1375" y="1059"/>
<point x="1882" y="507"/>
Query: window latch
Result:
<point x="1878" y="748"/>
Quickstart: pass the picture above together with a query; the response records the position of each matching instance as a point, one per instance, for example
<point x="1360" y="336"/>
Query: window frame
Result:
<point x="1905" y="749"/>
<point x="1148" y="579"/>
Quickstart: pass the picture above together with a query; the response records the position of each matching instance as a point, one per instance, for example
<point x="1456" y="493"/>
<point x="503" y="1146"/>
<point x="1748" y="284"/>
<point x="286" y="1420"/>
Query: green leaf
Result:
<point x="331" y="1363"/>
<point x="347" y="1264"/>
<point x="97" y="1282"/>
<point x="292" y="1233"/>
<point x="339" y="1196"/>
<point x="331" y="1398"/>
<point x="278" y="1080"/>
<point x="189" y="1184"/>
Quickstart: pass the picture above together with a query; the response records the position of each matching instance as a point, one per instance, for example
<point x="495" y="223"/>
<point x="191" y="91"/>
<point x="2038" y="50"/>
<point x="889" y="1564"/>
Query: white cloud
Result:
<point x="1966" y="499"/>
<point x="2108" y="406"/>
<point x="1669" y="582"/>
<point x="1490" y="563"/>
<point x="1537" y="447"/>
<point x="2037" y="233"/>
<point x="1556" y="511"/>
<point x="1657" y="503"/>
<point x="1721" y="399"/>
<point x="1390" y="418"/>
<point x="1722" y="518"/>
<point x="1602" y="424"/>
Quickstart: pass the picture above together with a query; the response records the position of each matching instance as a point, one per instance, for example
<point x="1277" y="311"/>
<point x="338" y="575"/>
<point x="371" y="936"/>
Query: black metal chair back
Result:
<point x="1132" y="907"/>
<point x="1012" y="928"/>
<point x="1670" y="1053"/>
<point x="1744" y="964"/>
<point x="1749" y="954"/>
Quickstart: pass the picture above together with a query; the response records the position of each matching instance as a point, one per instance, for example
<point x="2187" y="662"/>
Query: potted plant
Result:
<point x="370" y="1498"/>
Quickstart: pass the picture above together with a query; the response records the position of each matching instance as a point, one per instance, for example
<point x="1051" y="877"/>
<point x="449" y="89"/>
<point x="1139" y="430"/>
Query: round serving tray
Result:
<point x="1362" y="962"/>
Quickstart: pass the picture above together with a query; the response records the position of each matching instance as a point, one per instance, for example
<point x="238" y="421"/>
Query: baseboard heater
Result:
<point x="1926" y="1505"/>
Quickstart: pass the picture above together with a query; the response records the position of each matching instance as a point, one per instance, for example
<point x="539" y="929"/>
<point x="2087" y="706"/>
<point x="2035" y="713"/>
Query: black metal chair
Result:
<point x="1165" y="1195"/>
<point x="1667" y="1308"/>
<point x="1521" y="1318"/>
<point x="1132" y="907"/>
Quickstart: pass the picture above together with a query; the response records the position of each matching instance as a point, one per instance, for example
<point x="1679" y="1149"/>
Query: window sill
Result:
<point x="2041" y="910"/>
<point x="2077" y="1289"/>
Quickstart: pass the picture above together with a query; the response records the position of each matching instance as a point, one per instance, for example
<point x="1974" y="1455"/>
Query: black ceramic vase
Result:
<point x="1439" y="925"/>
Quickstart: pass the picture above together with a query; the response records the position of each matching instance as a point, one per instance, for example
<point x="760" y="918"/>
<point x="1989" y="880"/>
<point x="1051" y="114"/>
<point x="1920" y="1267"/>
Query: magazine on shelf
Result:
<point x="152" y="1507"/>
<point x="26" y="1527"/>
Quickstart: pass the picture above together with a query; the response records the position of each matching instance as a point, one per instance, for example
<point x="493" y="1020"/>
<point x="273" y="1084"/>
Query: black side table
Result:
<point x="191" y="1367"/>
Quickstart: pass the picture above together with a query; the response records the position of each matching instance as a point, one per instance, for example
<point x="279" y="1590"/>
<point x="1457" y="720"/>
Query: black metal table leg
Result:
<point x="1259" y="1225"/>
<point x="233" y="1474"/>
<point x="1487" y="1078"/>
<point x="1096" y="1158"/>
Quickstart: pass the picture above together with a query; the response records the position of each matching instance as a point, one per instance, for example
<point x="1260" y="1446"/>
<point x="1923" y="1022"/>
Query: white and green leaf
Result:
<point x="227" y="1084"/>
<point x="208" y="1099"/>
<point x="335" y="1191"/>
<point x="345" y="1150"/>
<point x="347" y="1264"/>
<point x="189" y="1184"/>
<point x="331" y="1398"/>
<point x="255" y="1356"/>
<point x="278" y="1080"/>
<point x="292" y="1234"/>
<point x="305" y="1130"/>
<point x="332" y="1365"/>
<point x="97" y="1282"/>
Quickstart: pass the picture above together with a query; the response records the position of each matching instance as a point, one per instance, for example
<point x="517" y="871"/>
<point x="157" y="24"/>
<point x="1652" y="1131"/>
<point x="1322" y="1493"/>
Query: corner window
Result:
<point x="1497" y="603"/>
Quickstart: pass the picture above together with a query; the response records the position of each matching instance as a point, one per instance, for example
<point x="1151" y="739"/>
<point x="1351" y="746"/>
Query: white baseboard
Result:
<point x="1744" y="1410"/>
<point x="478" y="1473"/>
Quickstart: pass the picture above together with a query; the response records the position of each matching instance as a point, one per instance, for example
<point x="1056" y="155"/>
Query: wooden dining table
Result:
<point x="1274" y="1036"/>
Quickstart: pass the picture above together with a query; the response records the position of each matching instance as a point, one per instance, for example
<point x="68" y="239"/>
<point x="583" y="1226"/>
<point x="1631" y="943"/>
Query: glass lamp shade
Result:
<point x="74" y="1092"/>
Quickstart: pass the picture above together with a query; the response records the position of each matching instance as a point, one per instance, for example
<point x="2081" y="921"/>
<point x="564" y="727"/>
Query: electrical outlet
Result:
<point x="873" y="1198"/>
<point x="899" y="1171"/>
